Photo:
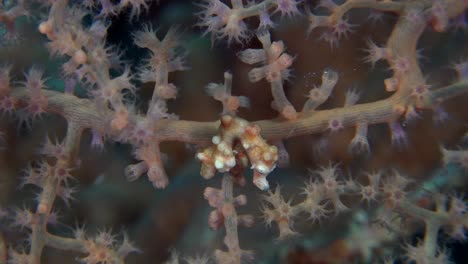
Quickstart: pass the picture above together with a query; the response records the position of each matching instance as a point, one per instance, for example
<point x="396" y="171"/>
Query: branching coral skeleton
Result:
<point x="232" y="145"/>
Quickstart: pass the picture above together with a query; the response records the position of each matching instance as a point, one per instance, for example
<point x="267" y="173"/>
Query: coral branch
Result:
<point x="84" y="113"/>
